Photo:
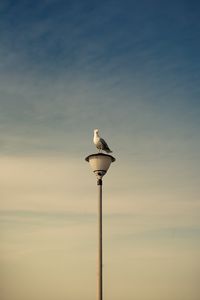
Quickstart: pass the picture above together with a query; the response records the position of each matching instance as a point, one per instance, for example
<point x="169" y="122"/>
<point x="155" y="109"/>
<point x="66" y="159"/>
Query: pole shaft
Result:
<point x="100" y="245"/>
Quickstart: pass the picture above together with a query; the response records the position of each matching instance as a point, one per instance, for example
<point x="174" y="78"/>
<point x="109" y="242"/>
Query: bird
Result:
<point x="100" y="143"/>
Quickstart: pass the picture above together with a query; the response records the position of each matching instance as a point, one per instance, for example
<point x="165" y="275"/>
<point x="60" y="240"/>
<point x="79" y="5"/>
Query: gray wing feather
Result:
<point x="104" y="144"/>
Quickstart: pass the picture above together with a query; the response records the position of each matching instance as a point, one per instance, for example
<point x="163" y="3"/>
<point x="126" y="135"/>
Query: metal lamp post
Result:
<point x="100" y="164"/>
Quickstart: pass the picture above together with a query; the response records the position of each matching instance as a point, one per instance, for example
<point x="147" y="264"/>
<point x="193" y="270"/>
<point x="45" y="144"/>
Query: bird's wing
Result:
<point x="104" y="143"/>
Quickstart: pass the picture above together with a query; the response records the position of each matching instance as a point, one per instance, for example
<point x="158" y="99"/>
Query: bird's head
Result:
<point x="96" y="131"/>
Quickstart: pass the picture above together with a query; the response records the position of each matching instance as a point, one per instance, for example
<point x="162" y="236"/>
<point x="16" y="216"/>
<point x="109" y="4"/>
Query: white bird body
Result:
<point x="100" y="143"/>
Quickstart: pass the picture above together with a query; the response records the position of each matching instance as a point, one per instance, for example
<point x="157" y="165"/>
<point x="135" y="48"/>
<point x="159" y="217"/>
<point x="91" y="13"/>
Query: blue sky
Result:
<point x="131" y="69"/>
<point x="65" y="64"/>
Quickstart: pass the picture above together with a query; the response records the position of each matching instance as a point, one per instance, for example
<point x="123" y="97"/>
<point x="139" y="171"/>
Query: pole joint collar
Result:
<point x="99" y="182"/>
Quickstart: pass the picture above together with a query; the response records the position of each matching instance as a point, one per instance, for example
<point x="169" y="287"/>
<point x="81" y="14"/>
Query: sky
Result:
<point x="131" y="69"/>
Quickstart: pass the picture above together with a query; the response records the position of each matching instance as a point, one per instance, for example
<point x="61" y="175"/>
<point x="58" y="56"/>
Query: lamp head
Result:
<point x="100" y="163"/>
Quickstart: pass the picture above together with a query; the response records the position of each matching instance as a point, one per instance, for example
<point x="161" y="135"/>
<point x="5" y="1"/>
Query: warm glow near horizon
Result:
<point x="49" y="229"/>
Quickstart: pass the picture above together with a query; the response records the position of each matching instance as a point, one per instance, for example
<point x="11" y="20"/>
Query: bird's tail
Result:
<point x="108" y="150"/>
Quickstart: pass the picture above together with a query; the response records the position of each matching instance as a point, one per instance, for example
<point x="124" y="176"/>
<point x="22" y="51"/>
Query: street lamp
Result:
<point x="100" y="164"/>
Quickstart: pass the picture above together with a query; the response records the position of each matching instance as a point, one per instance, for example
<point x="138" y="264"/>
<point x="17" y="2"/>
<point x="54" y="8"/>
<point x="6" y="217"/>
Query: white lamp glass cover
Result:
<point x="100" y="161"/>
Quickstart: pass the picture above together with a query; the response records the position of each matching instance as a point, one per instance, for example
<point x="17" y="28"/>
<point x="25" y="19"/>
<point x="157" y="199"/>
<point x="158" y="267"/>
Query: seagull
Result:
<point x="100" y="143"/>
